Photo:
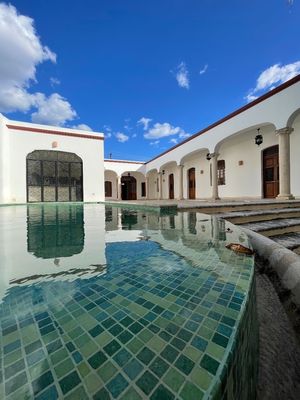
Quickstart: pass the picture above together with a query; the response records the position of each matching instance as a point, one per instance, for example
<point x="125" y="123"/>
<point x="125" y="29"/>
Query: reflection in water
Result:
<point x="129" y="218"/>
<point x="55" y="231"/>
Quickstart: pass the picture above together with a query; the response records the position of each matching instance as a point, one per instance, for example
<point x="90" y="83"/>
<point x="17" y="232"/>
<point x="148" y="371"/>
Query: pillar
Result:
<point x="119" y="188"/>
<point x="160" y="185"/>
<point x="284" y="164"/>
<point x="214" y="175"/>
<point x="180" y="182"/>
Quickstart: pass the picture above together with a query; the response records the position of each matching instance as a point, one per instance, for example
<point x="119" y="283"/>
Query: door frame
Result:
<point x="188" y="183"/>
<point x="263" y="171"/>
<point x="171" y="197"/>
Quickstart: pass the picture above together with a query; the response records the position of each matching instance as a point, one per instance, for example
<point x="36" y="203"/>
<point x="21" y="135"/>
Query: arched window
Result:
<point x="54" y="176"/>
<point x="108" y="189"/>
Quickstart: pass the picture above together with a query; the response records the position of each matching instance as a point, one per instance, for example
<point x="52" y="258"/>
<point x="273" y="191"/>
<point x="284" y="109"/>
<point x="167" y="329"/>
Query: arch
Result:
<point x="202" y="151"/>
<point x="166" y="166"/>
<point x="53" y="175"/>
<point x="244" y="132"/>
<point x="110" y="183"/>
<point x="191" y="180"/>
<point x="128" y="188"/>
<point x="292" y="118"/>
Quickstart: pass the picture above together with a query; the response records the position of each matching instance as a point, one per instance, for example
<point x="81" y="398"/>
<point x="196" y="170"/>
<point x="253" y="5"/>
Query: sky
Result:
<point x="148" y="74"/>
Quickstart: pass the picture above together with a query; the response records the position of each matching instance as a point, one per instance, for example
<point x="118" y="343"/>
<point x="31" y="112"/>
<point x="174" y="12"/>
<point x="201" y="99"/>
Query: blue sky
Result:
<point x="175" y="66"/>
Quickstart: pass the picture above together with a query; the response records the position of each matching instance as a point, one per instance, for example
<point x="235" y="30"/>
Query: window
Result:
<point x="108" y="189"/>
<point x="221" y="172"/>
<point x="143" y="189"/>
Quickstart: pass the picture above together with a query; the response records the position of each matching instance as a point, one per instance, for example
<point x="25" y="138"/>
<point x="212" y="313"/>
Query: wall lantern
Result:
<point x="163" y="171"/>
<point x="258" y="138"/>
<point x="128" y="174"/>
<point x="208" y="156"/>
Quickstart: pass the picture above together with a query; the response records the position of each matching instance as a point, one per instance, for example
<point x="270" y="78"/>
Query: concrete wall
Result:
<point x="17" y="143"/>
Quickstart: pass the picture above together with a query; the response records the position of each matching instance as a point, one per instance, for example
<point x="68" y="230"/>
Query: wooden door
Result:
<point x="128" y="184"/>
<point x="271" y="172"/>
<point x="171" y="186"/>
<point x="192" y="183"/>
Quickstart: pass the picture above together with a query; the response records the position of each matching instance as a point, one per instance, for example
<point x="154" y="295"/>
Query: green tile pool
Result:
<point x="110" y="303"/>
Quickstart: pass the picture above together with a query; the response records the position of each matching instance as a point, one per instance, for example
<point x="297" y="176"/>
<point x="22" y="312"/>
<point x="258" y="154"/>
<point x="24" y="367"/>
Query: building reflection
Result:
<point x="55" y="231"/>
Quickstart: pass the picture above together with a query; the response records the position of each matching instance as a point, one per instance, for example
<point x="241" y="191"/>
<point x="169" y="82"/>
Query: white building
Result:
<point x="223" y="160"/>
<point x="43" y="163"/>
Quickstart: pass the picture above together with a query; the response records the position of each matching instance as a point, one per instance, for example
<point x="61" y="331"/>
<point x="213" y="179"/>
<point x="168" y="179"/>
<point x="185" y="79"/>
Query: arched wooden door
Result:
<point x="128" y="184"/>
<point x="192" y="183"/>
<point x="271" y="172"/>
<point x="171" y="186"/>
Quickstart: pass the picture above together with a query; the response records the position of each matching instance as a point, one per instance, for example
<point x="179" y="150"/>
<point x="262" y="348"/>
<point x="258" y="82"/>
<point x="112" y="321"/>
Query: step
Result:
<point x="229" y="206"/>
<point x="289" y="240"/>
<point x="275" y="227"/>
<point x="242" y="217"/>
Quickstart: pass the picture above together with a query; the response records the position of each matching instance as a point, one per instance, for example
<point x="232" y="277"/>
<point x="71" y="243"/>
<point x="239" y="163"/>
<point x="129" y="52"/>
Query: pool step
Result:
<point x="290" y="240"/>
<point x="275" y="227"/>
<point x="243" y="217"/>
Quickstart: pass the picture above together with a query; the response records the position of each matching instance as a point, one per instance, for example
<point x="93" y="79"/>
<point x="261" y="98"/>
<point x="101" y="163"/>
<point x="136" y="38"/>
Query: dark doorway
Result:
<point x="128" y="184"/>
<point x="271" y="172"/>
<point x="171" y="186"/>
<point x="192" y="183"/>
<point x="54" y="176"/>
<point x="108" y="189"/>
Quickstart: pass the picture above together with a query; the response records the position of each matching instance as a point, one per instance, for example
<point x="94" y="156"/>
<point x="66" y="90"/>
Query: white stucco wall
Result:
<point x="16" y="144"/>
<point x="111" y="176"/>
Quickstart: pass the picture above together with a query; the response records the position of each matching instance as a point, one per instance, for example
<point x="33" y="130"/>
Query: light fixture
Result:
<point x="163" y="171"/>
<point x="258" y="138"/>
<point x="208" y="156"/>
<point x="128" y="174"/>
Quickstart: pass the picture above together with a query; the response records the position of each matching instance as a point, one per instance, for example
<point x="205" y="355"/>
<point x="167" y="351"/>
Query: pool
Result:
<point x="110" y="303"/>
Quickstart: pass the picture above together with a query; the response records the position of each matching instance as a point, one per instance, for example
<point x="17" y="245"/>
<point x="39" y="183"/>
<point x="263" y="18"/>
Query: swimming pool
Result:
<point x="110" y="303"/>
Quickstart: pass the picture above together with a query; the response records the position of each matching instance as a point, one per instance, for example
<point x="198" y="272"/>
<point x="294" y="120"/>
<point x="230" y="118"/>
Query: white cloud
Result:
<point x="272" y="77"/>
<point x="182" y="76"/>
<point x="108" y="135"/>
<point x="145" y="122"/>
<point x="134" y="135"/>
<point x="21" y="51"/>
<point x="54" y="81"/>
<point x="121" y="137"/>
<point x="174" y="141"/>
<point x="203" y="70"/>
<point x="82" y="127"/>
<point x="53" y="110"/>
<point x="155" y="143"/>
<point x="184" y="135"/>
<point x="163" y="130"/>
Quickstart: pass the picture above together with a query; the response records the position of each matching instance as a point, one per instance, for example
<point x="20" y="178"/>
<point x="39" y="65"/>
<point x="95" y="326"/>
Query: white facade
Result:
<point x="221" y="161"/>
<point x="231" y="141"/>
<point x="18" y="139"/>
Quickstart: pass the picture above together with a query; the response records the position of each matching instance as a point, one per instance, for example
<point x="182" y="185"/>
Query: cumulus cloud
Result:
<point x="163" y="130"/>
<point x="155" y="143"/>
<point x="174" y="140"/>
<point x="21" y="52"/>
<point x="203" y="70"/>
<point x="121" y="137"/>
<point x="182" y="76"/>
<point x="272" y="77"/>
<point x="53" y="110"/>
<point x="145" y="122"/>
<point x="82" y="127"/>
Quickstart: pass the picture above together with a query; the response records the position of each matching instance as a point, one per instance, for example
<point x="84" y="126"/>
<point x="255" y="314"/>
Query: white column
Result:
<point x="284" y="164"/>
<point x="160" y="185"/>
<point x="180" y="182"/>
<point x="147" y="188"/>
<point x="119" y="188"/>
<point x="214" y="174"/>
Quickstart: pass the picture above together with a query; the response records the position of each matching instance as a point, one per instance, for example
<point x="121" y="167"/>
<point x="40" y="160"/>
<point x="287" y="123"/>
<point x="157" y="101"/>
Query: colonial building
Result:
<point x="251" y="153"/>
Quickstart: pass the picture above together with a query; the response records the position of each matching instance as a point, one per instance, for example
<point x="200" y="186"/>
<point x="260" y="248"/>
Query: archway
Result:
<point x="54" y="176"/>
<point x="192" y="183"/>
<point x="128" y="184"/>
<point x="271" y="172"/>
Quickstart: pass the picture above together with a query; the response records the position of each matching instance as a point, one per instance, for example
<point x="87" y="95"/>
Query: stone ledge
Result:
<point x="284" y="262"/>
